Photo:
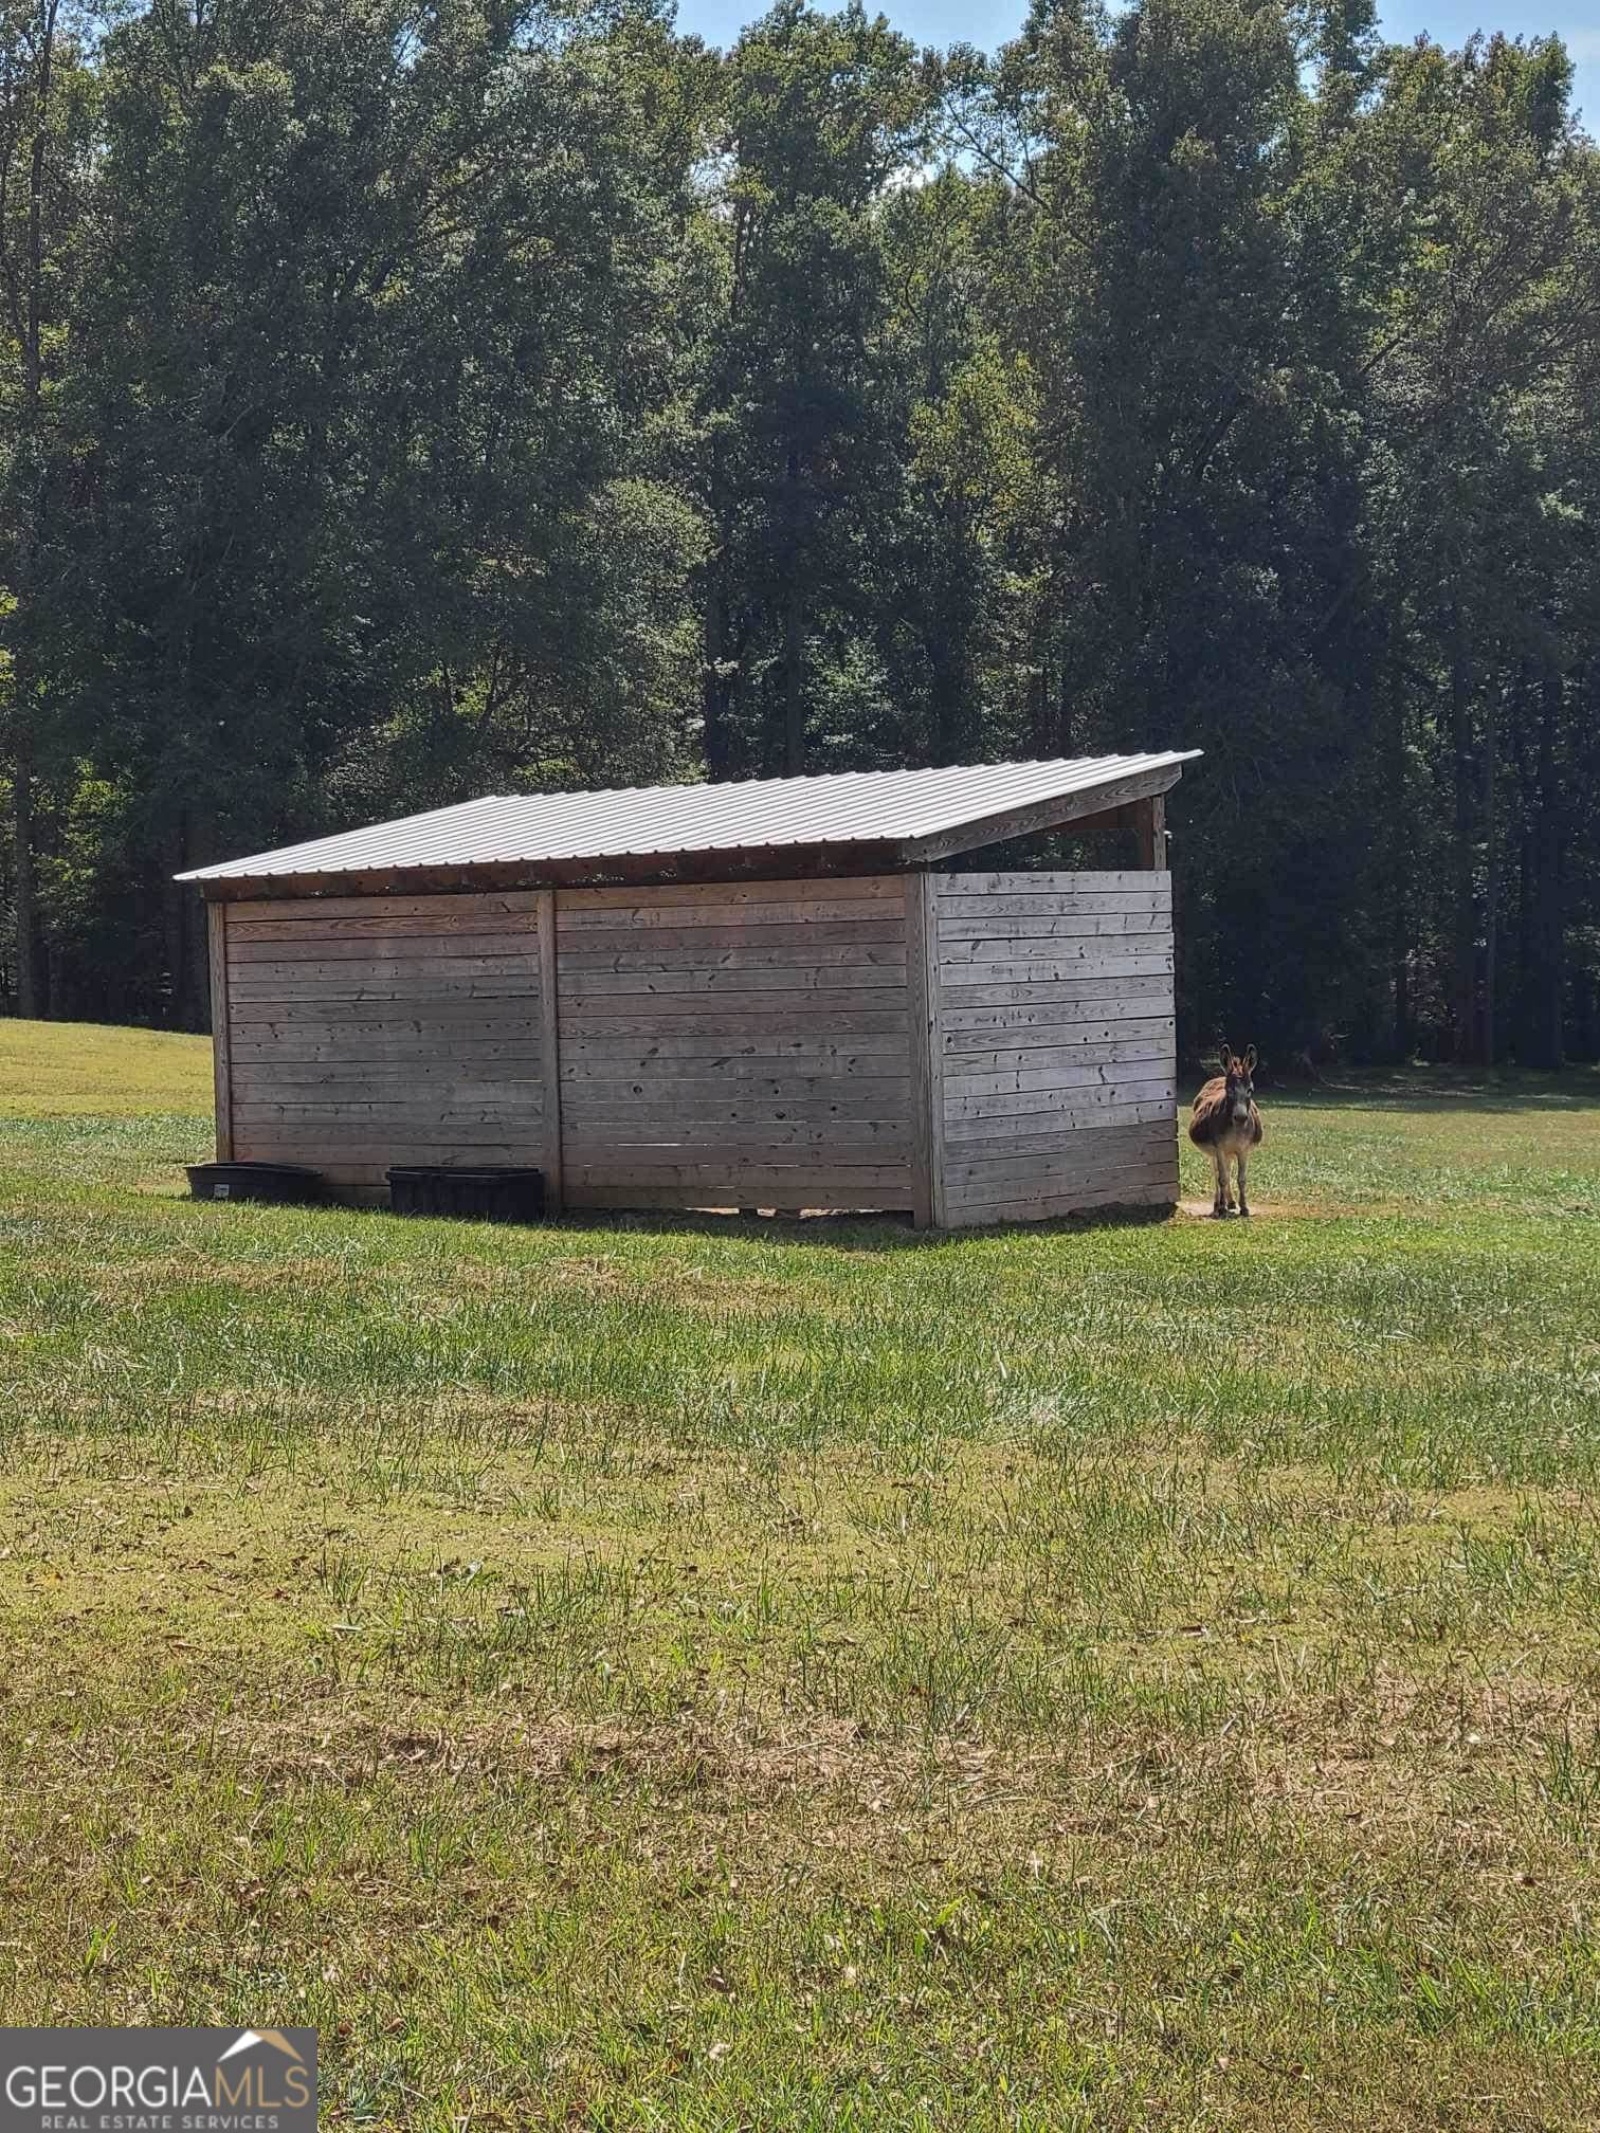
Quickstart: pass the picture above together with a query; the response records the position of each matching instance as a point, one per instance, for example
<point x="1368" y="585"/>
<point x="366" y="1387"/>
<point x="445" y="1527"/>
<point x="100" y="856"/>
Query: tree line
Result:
<point x="401" y="401"/>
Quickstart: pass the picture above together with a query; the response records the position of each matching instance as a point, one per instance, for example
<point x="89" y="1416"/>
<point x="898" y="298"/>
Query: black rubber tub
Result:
<point x="468" y="1195"/>
<point x="286" y="1183"/>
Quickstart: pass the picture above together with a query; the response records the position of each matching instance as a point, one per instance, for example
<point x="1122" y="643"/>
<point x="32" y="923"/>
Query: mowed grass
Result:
<point x="66" y="1069"/>
<point x="638" y="1675"/>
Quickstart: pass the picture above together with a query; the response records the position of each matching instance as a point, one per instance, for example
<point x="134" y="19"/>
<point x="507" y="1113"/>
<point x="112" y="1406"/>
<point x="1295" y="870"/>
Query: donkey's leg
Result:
<point x="1244" y="1204"/>
<point x="1219" y="1205"/>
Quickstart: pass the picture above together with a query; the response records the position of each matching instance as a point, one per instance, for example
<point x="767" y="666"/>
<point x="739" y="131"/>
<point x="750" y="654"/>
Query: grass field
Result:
<point x="706" y="1676"/>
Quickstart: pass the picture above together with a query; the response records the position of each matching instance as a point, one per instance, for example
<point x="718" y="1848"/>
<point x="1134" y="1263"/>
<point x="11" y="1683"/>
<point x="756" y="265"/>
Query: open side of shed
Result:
<point x="825" y="1022"/>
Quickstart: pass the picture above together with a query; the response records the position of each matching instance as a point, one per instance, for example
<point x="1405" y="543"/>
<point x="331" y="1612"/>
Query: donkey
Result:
<point x="1226" y="1122"/>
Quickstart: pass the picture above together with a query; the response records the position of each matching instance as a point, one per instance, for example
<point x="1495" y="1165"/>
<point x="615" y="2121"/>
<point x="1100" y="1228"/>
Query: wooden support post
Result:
<point x="221" y="1033"/>
<point x="550" y="1046"/>
<point x="933" y="887"/>
<point x="919" y="1039"/>
<point x="1152" y="831"/>
<point x="927" y="1070"/>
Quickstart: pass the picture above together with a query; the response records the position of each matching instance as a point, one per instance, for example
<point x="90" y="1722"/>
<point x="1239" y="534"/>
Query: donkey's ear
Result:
<point x="1227" y="1057"/>
<point x="1250" y="1060"/>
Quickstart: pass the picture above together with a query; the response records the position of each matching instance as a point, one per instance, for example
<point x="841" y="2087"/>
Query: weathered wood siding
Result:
<point x="370" y="1030"/>
<point x="1052" y="1043"/>
<point x="736" y="1045"/>
<point x="969" y="1047"/>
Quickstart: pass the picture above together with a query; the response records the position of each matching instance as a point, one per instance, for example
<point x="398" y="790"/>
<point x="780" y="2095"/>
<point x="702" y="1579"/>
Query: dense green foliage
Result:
<point x="400" y="402"/>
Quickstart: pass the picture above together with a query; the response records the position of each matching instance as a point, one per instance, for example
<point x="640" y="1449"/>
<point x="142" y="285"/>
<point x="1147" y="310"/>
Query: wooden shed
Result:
<point x="783" y="993"/>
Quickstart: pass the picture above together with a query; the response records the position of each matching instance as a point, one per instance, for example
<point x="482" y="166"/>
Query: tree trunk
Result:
<point x="1540" y="1041"/>
<point x="30" y="991"/>
<point x="1463" y="855"/>
<point x="1400" y="840"/>
<point x="29" y="959"/>
<point x="716" y="739"/>
<point x="1487" y="1030"/>
<point x="794" y="707"/>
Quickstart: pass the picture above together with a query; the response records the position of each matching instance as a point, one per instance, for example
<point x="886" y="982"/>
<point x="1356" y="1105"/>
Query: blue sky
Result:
<point x="989" y="22"/>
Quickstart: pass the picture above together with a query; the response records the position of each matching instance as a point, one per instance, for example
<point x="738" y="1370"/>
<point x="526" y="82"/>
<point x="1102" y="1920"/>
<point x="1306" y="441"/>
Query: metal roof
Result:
<point x="909" y="808"/>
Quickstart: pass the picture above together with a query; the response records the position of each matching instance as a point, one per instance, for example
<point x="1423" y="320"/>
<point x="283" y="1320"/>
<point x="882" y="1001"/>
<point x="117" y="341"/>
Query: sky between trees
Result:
<point x="990" y="23"/>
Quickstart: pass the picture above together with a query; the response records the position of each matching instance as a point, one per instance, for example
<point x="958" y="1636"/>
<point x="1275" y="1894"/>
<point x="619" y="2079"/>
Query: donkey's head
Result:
<point x="1237" y="1073"/>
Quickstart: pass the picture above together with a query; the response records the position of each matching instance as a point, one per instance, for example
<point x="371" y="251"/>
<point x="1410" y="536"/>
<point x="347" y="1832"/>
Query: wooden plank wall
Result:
<point x="736" y="1045"/>
<point x="731" y="1044"/>
<point x="1053" y="1043"/>
<point x="370" y="1030"/>
<point x="221" y="1033"/>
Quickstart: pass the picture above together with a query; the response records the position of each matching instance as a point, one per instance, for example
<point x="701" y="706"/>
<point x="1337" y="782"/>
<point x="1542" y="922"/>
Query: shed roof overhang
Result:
<point x="857" y="822"/>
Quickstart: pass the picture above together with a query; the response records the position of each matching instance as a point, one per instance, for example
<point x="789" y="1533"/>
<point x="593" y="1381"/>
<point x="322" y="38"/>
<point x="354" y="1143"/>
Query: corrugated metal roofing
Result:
<point x="658" y="821"/>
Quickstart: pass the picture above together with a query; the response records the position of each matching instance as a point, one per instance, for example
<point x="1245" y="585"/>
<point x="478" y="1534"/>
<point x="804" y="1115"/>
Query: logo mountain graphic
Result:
<point x="249" y="2037"/>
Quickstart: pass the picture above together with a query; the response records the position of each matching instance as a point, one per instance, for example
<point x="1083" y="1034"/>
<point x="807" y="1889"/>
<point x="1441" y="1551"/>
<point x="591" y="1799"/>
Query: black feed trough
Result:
<point x="468" y="1195"/>
<point x="284" y="1183"/>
